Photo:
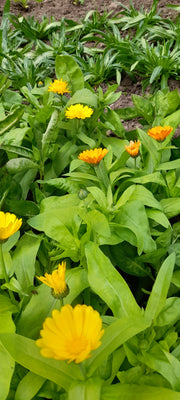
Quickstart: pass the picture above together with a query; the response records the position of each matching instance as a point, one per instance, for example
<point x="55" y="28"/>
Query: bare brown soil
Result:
<point x="65" y="8"/>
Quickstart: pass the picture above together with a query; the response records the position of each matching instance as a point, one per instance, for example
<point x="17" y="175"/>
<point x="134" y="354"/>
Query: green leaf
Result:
<point x="67" y="69"/>
<point x="108" y="283"/>
<point x="84" y="96"/>
<point x="87" y="390"/>
<point x="138" y="392"/>
<point x="132" y="215"/>
<point x="143" y="107"/>
<point x="171" y="206"/>
<point x="160" y="288"/>
<point x="28" y="387"/>
<point x="114" y="336"/>
<point x="16" y="165"/>
<point x="6" y="305"/>
<point x="9" y="121"/>
<point x="7" y="363"/>
<point x="50" y="135"/>
<point x="169" y="165"/>
<point x="150" y="145"/>
<point x="25" y="352"/>
<point x="155" y="74"/>
<point x="24" y="259"/>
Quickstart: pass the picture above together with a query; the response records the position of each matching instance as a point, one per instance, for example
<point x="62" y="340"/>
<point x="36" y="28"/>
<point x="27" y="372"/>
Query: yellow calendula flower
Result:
<point x="93" y="156"/>
<point x="71" y="334"/>
<point x="78" y="111"/>
<point x="59" y="86"/>
<point x="133" y="148"/>
<point x="159" y="133"/>
<point x="9" y="224"/>
<point x="56" y="281"/>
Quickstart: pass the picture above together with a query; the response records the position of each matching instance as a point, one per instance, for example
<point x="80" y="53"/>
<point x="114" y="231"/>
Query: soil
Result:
<point x="67" y="9"/>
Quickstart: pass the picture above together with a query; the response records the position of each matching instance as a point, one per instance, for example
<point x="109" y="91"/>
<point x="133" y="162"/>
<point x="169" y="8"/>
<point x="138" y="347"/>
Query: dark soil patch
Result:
<point x="65" y="8"/>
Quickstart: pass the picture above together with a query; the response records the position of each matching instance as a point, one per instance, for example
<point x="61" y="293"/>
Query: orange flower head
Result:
<point x="78" y="111"/>
<point x="93" y="156"/>
<point x="56" y="281"/>
<point x="159" y="133"/>
<point x="59" y="86"/>
<point x="71" y="334"/>
<point x="133" y="148"/>
<point x="9" y="224"/>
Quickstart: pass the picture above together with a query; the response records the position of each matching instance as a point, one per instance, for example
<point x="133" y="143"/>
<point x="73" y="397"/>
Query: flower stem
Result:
<point x="3" y="267"/>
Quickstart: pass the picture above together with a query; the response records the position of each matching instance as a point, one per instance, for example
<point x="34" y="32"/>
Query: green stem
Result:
<point x="2" y="263"/>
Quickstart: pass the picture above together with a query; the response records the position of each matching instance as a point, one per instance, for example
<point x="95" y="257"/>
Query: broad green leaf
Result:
<point x="160" y="289"/>
<point x="84" y="96"/>
<point x="138" y="392"/>
<point x="24" y="259"/>
<point x="171" y="120"/>
<point x="57" y="224"/>
<point x="169" y="315"/>
<point x="144" y="195"/>
<point x="50" y="135"/>
<point x="28" y="387"/>
<point x="143" y="107"/>
<point x="132" y="215"/>
<point x="114" y="336"/>
<point x="158" y="216"/>
<point x="7" y="305"/>
<point x="42" y="303"/>
<point x="87" y="390"/>
<point x="25" y="352"/>
<point x="169" y="165"/>
<point x="150" y="145"/>
<point x="108" y="283"/>
<point x="67" y="69"/>
<point x="156" y="177"/>
<point x="30" y="97"/>
<point x="15" y="137"/>
<point x="22" y="207"/>
<point x="7" y="363"/>
<point x="11" y="119"/>
<point x="16" y="165"/>
<point x="163" y="362"/>
<point x="59" y="203"/>
<point x="171" y="206"/>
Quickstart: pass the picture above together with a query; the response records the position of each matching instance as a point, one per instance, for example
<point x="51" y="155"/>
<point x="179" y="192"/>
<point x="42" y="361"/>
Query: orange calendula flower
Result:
<point x="71" y="334"/>
<point x="78" y="111"/>
<point x="59" y="86"/>
<point x="56" y="281"/>
<point x="9" y="224"/>
<point x="133" y="148"/>
<point x="93" y="156"/>
<point x="159" y="133"/>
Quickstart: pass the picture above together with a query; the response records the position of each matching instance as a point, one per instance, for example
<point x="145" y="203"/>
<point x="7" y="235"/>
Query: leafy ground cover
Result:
<point x="90" y="205"/>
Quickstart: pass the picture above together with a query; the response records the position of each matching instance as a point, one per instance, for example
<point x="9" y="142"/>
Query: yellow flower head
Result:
<point x="56" y="280"/>
<point x="160" y="132"/>
<point x="9" y="224"/>
<point x="133" y="148"/>
<point x="78" y="111"/>
<point x="71" y="334"/>
<point x="59" y="86"/>
<point x="93" y="156"/>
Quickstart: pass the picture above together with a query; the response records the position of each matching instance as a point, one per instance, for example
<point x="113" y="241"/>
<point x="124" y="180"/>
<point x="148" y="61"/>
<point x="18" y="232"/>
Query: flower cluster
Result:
<point x="71" y="334"/>
<point x="9" y="224"/>
<point x="78" y="111"/>
<point x="93" y="156"/>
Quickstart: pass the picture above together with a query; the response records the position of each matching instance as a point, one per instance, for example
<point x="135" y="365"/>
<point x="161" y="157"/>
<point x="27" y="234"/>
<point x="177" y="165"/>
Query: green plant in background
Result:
<point x="100" y="211"/>
<point x="24" y="3"/>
